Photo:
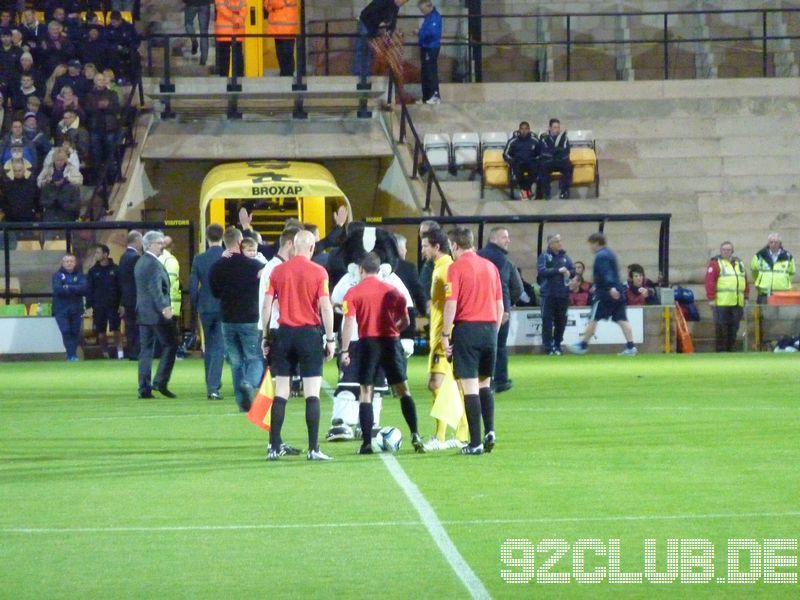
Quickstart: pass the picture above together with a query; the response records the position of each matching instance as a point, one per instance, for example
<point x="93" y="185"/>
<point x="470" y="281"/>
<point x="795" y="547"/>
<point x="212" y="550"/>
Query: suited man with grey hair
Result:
<point x="154" y="315"/>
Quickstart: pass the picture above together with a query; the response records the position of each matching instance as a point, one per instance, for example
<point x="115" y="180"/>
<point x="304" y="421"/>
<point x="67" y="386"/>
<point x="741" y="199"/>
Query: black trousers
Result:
<point x="131" y="332"/>
<point x="726" y="324"/>
<point x="148" y="334"/>
<point x="546" y="167"/>
<point x="525" y="174"/>
<point x="554" y="320"/>
<point x="501" y="359"/>
<point x="284" y="49"/>
<point x="224" y="57"/>
<point x="429" y="72"/>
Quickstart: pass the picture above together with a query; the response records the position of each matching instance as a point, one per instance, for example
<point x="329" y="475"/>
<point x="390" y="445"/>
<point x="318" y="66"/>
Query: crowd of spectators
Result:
<point x="60" y="105"/>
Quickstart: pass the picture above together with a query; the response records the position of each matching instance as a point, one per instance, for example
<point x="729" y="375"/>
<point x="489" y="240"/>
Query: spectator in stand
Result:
<point x="640" y="291"/>
<point x="772" y="268"/>
<point x="56" y="48"/>
<point x="57" y="165"/>
<point x="34" y="107"/>
<point x="69" y="129"/>
<point x="60" y="199"/>
<point x="9" y="58"/>
<point x="16" y="135"/>
<point x="102" y="110"/>
<point x="103" y="296"/>
<point x="27" y="66"/>
<point x="26" y="89"/>
<point x="123" y="42"/>
<point x="94" y="49"/>
<point x="377" y="25"/>
<point x="51" y="82"/>
<point x="201" y="9"/>
<point x="727" y="290"/>
<point x="33" y="32"/>
<point x="111" y="78"/>
<point x="127" y="286"/>
<point x="89" y="73"/>
<point x="555" y="270"/>
<point x="578" y="291"/>
<point x="74" y="79"/>
<point x="284" y="21"/>
<point x="522" y="154"/>
<point x="36" y="137"/>
<point x="66" y="100"/>
<point x="430" y="40"/>
<point x="580" y="269"/>
<point x="555" y="157"/>
<point x="20" y="198"/>
<point x="75" y="28"/>
<point x="5" y="115"/>
<point x="18" y="152"/>
<point x="69" y="288"/>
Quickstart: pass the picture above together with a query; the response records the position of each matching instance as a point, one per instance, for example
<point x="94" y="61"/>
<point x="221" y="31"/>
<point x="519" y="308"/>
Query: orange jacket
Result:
<point x="283" y="17"/>
<point x="231" y="15"/>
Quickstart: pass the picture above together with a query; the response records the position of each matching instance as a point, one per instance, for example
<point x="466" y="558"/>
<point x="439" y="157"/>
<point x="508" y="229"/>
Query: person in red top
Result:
<point x="300" y="287"/>
<point x="473" y="312"/>
<point x="381" y="313"/>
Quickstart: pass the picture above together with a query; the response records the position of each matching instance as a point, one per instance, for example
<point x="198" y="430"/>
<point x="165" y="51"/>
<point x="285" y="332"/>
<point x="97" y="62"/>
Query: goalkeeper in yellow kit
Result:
<point x="436" y="248"/>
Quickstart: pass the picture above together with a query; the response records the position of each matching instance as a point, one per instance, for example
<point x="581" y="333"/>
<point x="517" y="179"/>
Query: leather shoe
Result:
<point x="503" y="387"/>
<point x="144" y="395"/>
<point x="215" y="396"/>
<point x="162" y="389"/>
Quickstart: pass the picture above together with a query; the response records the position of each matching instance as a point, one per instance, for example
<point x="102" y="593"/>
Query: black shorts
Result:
<point x="348" y="376"/>
<point x="381" y="353"/>
<point x="474" y="350"/>
<point x="104" y="319"/>
<point x="608" y="309"/>
<point x="297" y="350"/>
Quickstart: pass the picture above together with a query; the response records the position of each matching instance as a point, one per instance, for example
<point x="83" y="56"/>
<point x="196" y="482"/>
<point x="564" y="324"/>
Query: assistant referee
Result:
<point x="300" y="287"/>
<point x="473" y="313"/>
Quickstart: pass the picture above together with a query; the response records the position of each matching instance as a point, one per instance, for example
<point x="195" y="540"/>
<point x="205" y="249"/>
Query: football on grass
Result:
<point x="388" y="439"/>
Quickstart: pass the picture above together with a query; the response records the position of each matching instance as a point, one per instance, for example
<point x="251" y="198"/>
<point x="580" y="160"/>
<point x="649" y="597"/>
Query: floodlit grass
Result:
<point x="103" y="495"/>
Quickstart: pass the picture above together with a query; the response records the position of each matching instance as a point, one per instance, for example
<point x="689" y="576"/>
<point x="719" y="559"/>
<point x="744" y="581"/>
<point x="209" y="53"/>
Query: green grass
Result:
<point x="151" y="492"/>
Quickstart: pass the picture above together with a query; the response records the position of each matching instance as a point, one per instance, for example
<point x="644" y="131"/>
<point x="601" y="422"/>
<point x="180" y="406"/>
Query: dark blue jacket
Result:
<point x="430" y="32"/>
<point x="200" y="294"/>
<point x="510" y="280"/>
<point x="121" y="37"/>
<point x="606" y="275"/>
<point x="553" y="284"/>
<point x="68" y="292"/>
<point x="522" y="150"/>
<point x="127" y="282"/>
<point x="104" y="291"/>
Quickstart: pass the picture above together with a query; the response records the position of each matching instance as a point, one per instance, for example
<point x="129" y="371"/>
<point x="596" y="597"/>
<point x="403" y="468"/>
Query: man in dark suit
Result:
<point x="408" y="274"/>
<point x="154" y="313"/>
<point x="208" y="308"/>
<point x="127" y="284"/>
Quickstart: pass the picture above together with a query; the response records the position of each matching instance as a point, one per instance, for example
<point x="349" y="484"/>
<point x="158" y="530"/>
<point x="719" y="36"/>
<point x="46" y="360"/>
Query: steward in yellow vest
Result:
<point x="772" y="268"/>
<point x="726" y="290"/>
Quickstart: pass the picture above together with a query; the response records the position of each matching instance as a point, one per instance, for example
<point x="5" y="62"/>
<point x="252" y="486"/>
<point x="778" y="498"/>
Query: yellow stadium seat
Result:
<point x="494" y="169"/>
<point x="101" y="18"/>
<point x="28" y="245"/>
<point x="126" y="16"/>
<point x="584" y="165"/>
<point x="60" y="245"/>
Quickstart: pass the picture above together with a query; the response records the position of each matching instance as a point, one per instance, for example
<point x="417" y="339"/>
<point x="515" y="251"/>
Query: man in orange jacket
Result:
<point x="283" y="21"/>
<point x="229" y="27"/>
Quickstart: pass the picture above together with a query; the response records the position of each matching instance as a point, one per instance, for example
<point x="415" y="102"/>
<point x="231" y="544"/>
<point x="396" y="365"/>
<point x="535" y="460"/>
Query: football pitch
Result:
<point x="692" y="457"/>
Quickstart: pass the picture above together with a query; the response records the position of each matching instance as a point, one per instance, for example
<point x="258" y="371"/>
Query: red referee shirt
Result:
<point x="298" y="284"/>
<point x="474" y="283"/>
<point x="377" y="306"/>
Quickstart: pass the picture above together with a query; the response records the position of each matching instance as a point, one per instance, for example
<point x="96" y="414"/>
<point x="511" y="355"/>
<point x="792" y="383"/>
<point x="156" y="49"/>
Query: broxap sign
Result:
<point x="277" y="190"/>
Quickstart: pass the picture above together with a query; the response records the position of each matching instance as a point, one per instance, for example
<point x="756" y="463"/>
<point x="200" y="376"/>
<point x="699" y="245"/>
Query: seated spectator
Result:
<point x="74" y="27"/>
<point x="111" y="78"/>
<point x="70" y="130"/>
<point x="102" y="111"/>
<point x="89" y="73"/>
<point x="9" y="58"/>
<point x="37" y="138"/>
<point x="94" y="48"/>
<point x="124" y="42"/>
<point x="522" y="154"/>
<point x="60" y="199"/>
<point x="7" y="19"/>
<point x="20" y="199"/>
<point x="555" y="157"/>
<point x="74" y="79"/>
<point x="17" y="153"/>
<point x="56" y="48"/>
<point x="580" y="269"/>
<point x="26" y="89"/>
<point x="16" y="137"/>
<point x="33" y="32"/>
<point x="58" y="165"/>
<point x="67" y="100"/>
<point x="34" y="106"/>
<point x="28" y="67"/>
<point x="579" y="294"/>
<point x="51" y="82"/>
<point x="640" y="290"/>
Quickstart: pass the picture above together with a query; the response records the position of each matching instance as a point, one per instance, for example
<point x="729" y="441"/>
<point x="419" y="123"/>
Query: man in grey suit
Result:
<point x="154" y="315"/>
<point x="208" y="308"/>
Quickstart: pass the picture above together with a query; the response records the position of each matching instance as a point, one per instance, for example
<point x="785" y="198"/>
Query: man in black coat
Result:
<point x="127" y="284"/>
<point x="408" y="274"/>
<point x="20" y="195"/>
<point x="154" y="314"/>
<point x="496" y="251"/>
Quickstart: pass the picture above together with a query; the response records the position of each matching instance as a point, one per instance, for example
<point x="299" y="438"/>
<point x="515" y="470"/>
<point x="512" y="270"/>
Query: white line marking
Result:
<point x="585" y="409"/>
<point x="456" y="523"/>
<point x="434" y="526"/>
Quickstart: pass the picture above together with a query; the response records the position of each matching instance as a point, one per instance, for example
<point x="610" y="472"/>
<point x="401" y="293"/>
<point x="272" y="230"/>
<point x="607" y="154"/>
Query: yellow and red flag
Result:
<point x="448" y="406"/>
<point x="260" y="413"/>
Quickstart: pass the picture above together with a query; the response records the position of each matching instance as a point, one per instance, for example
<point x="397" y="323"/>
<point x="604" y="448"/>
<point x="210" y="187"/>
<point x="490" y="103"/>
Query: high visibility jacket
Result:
<point x="231" y="15"/>
<point x="772" y="276"/>
<point x="731" y="283"/>
<point x="283" y="17"/>
<point x="173" y="270"/>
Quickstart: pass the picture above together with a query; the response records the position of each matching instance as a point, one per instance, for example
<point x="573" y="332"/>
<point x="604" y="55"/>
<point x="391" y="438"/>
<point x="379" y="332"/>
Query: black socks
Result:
<point x="409" y="412"/>
<point x="366" y="417"/>
<point x="472" y="405"/>
<point x="312" y="422"/>
<point x="276" y="422"/>
<point x="487" y="408"/>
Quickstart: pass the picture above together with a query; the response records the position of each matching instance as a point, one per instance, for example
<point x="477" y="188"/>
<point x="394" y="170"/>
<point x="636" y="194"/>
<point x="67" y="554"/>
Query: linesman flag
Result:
<point x="448" y="406"/>
<point x="260" y="413"/>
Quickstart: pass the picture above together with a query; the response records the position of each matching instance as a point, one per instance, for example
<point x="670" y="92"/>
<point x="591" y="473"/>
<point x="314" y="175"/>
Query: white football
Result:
<point x="391" y="438"/>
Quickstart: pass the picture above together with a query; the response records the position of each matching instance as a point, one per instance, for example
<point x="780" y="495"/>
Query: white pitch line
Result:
<point x="584" y="409"/>
<point x="456" y="523"/>
<point x="434" y="526"/>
